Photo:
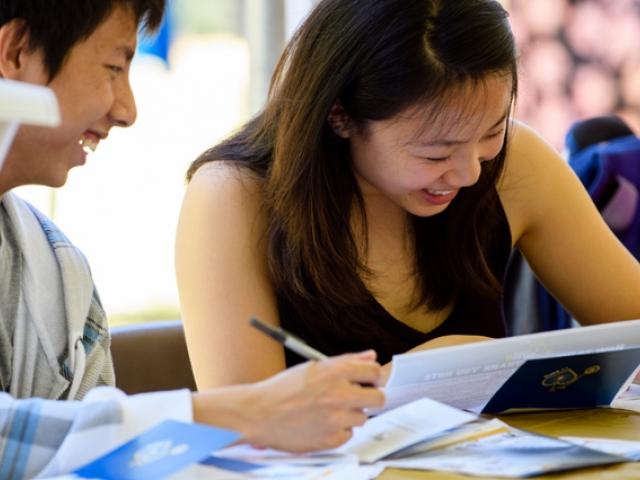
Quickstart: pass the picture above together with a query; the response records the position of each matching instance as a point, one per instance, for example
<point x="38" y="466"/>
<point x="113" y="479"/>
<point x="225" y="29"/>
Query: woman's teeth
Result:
<point x="440" y="193"/>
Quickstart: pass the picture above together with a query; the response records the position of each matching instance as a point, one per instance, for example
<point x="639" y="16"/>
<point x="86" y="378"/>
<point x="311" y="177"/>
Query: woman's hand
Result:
<point x="315" y="405"/>
<point x="312" y="406"/>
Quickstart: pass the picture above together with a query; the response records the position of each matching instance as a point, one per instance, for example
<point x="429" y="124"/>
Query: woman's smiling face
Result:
<point x="421" y="168"/>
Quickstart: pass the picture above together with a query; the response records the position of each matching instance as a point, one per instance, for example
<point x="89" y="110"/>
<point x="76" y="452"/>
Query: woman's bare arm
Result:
<point x="223" y="280"/>
<point x="563" y="236"/>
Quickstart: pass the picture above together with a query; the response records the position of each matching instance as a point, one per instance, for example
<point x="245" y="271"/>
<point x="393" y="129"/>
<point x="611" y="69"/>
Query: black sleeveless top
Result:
<point x="472" y="315"/>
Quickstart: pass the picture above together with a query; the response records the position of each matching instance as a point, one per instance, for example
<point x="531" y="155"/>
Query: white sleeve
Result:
<point x="110" y="418"/>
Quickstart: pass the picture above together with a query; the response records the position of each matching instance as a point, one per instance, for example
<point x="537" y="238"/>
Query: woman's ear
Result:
<point x="339" y="121"/>
<point x="17" y="60"/>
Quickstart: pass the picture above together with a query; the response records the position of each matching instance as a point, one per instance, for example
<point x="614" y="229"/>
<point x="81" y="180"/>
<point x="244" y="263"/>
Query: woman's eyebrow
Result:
<point x="446" y="142"/>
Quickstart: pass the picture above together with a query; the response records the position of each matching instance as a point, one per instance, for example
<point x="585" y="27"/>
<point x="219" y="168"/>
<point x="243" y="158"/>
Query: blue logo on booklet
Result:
<point x="159" y="452"/>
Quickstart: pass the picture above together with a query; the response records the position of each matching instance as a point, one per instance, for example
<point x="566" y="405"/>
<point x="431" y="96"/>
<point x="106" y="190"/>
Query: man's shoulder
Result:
<point x="21" y="207"/>
<point x="55" y="236"/>
<point x="30" y="221"/>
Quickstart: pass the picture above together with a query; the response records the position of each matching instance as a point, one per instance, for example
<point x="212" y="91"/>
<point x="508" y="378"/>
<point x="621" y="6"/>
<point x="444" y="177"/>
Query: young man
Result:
<point x="54" y="340"/>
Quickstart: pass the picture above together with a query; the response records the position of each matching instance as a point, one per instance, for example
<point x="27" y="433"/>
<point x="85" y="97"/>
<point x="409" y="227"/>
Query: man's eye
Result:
<point x="115" y="69"/>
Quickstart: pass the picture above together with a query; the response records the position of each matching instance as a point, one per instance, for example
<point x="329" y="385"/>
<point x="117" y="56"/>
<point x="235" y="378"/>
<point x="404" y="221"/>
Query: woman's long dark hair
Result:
<point x="377" y="58"/>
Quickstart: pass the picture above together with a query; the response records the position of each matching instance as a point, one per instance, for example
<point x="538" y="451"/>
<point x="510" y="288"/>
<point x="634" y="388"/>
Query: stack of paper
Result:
<point x="423" y="435"/>
<point x="505" y="452"/>
<point x="376" y="439"/>
<point x="245" y="462"/>
<point x="403" y="427"/>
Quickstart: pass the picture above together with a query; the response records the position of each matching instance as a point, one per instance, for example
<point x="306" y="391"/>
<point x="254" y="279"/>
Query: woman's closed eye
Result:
<point x="443" y="157"/>
<point x="437" y="159"/>
<point x="495" y="135"/>
<point x="435" y="155"/>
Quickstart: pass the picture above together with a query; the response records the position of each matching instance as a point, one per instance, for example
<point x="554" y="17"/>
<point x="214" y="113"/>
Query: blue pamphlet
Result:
<point x="159" y="452"/>
<point x="575" y="381"/>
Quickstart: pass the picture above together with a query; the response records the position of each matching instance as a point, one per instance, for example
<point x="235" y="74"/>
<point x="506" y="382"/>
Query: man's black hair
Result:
<point x="56" y="26"/>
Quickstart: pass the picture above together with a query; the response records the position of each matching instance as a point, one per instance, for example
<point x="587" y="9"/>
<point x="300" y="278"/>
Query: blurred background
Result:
<point x="579" y="59"/>
<point x="208" y="71"/>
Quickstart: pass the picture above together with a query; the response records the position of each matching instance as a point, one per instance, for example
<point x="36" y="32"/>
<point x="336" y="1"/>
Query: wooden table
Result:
<point x="601" y="422"/>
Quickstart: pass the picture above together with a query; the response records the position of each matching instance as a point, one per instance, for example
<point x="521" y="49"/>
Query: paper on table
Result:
<point x="624" y="448"/>
<point x="511" y="453"/>
<point x="267" y="456"/>
<point x="377" y="438"/>
<point x="199" y="472"/>
<point x="277" y="464"/>
<point x="471" y="431"/>
<point x="404" y="426"/>
<point x="350" y="471"/>
<point x="466" y="376"/>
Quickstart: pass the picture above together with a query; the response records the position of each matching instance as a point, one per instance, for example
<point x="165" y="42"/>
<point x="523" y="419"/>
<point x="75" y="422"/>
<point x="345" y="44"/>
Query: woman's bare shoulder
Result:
<point x="224" y="193"/>
<point x="226" y="177"/>
<point x="528" y="153"/>
<point x="532" y="167"/>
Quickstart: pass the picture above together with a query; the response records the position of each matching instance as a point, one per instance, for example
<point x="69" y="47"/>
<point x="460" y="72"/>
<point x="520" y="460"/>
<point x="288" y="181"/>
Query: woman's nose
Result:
<point x="465" y="170"/>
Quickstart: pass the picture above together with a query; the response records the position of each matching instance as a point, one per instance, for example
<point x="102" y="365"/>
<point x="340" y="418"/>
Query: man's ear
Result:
<point x="339" y="120"/>
<point x="16" y="59"/>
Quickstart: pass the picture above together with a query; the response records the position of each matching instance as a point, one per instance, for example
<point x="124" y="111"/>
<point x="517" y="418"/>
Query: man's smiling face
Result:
<point x="94" y="95"/>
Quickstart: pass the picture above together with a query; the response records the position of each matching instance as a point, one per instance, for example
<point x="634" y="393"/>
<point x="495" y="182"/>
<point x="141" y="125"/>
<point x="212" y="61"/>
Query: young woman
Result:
<point x="374" y="202"/>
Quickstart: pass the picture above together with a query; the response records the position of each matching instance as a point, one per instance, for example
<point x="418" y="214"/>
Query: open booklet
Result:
<point x="573" y="368"/>
<point x="24" y="103"/>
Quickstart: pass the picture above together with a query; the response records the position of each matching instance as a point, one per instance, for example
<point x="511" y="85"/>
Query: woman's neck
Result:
<point x="385" y="236"/>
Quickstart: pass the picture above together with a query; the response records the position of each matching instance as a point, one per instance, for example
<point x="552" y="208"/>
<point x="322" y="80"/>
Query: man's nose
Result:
<point x="124" y="112"/>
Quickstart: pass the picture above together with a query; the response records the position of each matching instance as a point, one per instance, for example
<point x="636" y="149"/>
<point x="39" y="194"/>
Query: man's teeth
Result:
<point x="441" y="193"/>
<point x="88" y="144"/>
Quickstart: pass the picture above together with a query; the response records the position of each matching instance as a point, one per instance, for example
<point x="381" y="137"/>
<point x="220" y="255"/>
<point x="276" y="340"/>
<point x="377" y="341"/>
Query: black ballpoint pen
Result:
<point x="290" y="341"/>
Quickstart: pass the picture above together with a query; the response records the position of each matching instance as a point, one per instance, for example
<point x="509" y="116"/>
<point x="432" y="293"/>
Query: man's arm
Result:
<point x="308" y="407"/>
<point x="48" y="438"/>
